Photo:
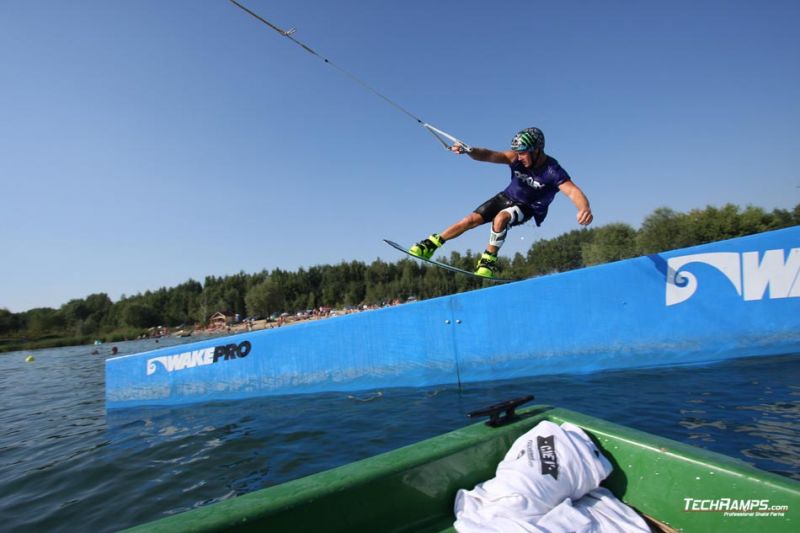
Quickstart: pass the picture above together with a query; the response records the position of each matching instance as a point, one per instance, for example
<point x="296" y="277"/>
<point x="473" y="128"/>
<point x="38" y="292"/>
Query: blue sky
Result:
<point x="145" y="143"/>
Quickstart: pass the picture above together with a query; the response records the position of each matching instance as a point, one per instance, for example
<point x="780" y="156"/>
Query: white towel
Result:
<point x="608" y="514"/>
<point x="597" y="512"/>
<point x="543" y="467"/>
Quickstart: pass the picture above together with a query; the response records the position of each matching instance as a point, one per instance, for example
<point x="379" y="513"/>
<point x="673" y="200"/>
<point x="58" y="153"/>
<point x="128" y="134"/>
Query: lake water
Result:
<point x="65" y="463"/>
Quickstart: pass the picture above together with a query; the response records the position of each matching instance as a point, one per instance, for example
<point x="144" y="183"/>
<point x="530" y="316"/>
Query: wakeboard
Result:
<point x="445" y="266"/>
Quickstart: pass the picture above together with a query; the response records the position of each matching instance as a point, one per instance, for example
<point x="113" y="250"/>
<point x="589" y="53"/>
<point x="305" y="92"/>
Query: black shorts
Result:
<point x="489" y="209"/>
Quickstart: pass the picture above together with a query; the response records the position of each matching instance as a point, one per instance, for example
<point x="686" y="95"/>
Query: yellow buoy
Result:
<point x="30" y="359"/>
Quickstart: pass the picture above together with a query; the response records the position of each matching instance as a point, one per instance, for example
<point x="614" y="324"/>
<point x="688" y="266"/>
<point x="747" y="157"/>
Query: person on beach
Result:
<point x="535" y="180"/>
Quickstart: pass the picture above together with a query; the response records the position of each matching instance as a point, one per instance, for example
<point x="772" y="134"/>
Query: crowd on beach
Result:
<point x="221" y="324"/>
<point x="285" y="319"/>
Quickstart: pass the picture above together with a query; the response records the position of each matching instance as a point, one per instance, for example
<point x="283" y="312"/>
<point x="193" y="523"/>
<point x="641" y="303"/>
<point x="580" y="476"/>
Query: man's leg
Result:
<point x="426" y="247"/>
<point x="473" y="220"/>
<point x="487" y="263"/>
<point x="499" y="230"/>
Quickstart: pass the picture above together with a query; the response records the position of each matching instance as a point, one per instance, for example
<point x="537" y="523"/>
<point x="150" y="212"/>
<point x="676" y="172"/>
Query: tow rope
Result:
<point x="441" y="136"/>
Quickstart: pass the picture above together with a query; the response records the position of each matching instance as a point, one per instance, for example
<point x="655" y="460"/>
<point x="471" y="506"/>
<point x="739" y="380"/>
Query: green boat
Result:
<point x="673" y="485"/>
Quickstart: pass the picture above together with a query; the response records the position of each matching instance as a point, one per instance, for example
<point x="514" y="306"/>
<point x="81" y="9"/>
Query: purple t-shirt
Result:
<point x="536" y="187"/>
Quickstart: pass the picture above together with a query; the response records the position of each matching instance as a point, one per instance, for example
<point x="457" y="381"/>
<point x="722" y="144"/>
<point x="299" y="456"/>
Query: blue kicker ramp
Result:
<point x="727" y="299"/>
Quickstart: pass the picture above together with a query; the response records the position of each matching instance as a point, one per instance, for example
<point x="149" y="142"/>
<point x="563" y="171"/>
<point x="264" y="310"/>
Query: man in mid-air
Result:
<point x="535" y="179"/>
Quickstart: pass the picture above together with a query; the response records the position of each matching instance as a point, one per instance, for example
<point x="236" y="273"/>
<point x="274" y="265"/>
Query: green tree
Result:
<point x="265" y="298"/>
<point x="140" y="315"/>
<point x="560" y="254"/>
<point x="42" y="321"/>
<point x="663" y="230"/>
<point x="712" y="224"/>
<point x="611" y="242"/>
<point x="9" y="322"/>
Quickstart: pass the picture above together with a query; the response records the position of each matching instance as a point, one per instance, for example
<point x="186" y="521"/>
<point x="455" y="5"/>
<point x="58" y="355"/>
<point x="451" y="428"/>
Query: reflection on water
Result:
<point x="776" y="428"/>
<point x="64" y="461"/>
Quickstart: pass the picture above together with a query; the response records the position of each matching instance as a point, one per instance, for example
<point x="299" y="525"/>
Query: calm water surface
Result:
<point x="66" y="463"/>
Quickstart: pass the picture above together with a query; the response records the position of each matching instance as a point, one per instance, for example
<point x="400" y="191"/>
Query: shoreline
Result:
<point x="51" y="341"/>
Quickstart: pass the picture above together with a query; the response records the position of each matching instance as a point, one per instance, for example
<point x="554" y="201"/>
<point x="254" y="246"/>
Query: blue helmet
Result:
<point x="528" y="140"/>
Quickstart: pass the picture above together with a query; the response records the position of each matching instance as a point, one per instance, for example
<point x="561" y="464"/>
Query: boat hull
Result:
<point x="413" y="488"/>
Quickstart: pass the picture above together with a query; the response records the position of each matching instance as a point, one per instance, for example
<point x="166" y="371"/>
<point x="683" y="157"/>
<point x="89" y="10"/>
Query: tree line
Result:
<point x="356" y="283"/>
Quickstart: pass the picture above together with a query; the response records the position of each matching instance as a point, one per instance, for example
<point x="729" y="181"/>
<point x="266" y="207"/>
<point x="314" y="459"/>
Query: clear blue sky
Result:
<point x="145" y="143"/>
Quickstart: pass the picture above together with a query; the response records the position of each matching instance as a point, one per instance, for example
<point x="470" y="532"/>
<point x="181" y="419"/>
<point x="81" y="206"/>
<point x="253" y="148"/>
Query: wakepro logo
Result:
<point x="749" y="274"/>
<point x="205" y="356"/>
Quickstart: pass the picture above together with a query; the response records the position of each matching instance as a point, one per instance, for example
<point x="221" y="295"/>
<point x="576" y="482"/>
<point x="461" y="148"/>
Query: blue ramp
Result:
<point x="727" y="299"/>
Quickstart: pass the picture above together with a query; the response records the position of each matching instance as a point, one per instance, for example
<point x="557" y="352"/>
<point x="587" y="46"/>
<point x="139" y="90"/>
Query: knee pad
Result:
<point x="517" y="216"/>
<point x="497" y="239"/>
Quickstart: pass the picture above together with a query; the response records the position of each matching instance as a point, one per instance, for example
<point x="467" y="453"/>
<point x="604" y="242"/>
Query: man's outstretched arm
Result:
<point x="489" y="156"/>
<point x="575" y="194"/>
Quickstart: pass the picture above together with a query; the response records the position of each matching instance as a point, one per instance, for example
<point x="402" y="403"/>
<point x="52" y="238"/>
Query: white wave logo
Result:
<point x="204" y="356"/>
<point x="748" y="276"/>
<point x="181" y="360"/>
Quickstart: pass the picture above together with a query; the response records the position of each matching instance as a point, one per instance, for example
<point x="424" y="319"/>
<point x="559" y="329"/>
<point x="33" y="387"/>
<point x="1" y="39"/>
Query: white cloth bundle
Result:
<point x="597" y="512"/>
<point x="545" y="470"/>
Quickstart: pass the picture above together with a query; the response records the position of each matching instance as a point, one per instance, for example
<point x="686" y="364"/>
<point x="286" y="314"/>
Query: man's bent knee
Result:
<point x="501" y="220"/>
